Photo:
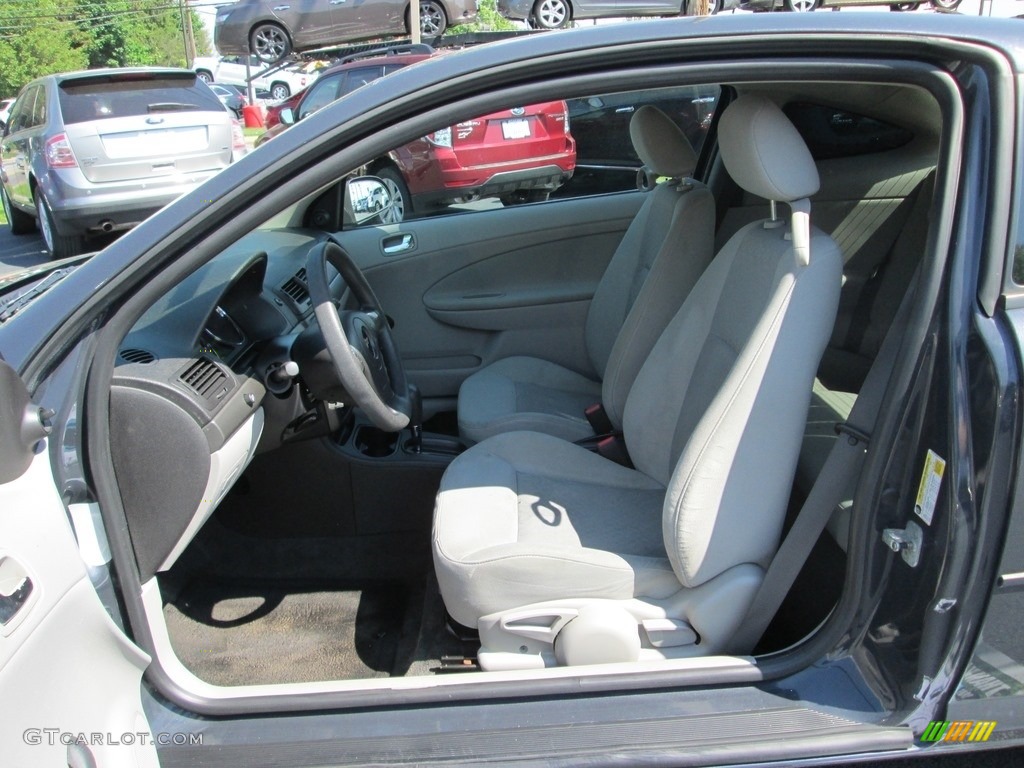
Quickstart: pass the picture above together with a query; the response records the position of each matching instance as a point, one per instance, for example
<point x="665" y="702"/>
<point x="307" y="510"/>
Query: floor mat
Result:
<point x="238" y="634"/>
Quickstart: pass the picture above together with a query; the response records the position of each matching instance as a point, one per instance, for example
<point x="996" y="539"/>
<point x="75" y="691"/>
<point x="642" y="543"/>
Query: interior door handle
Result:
<point x="11" y="603"/>
<point x="398" y="244"/>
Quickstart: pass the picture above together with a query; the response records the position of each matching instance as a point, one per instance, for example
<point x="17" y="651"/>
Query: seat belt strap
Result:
<point x="830" y="488"/>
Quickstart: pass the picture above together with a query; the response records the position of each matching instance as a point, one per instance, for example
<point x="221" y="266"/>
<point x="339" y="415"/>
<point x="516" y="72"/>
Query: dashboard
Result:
<point x="193" y="392"/>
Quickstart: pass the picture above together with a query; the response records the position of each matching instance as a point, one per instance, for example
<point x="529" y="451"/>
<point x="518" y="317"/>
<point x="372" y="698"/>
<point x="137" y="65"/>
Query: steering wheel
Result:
<point x="359" y="341"/>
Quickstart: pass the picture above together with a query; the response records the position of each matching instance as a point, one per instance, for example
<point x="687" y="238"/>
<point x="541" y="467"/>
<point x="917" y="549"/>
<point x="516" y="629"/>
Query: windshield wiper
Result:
<point x="11" y="307"/>
<point x="170" y="106"/>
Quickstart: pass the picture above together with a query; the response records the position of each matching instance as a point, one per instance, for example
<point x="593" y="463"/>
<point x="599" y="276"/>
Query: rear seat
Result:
<point x="872" y="303"/>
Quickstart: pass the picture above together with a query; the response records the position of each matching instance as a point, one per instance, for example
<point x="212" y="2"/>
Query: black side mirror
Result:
<point x="366" y="199"/>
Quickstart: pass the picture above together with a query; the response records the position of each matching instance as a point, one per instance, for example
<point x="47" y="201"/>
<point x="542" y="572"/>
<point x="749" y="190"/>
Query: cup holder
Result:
<point x="375" y="443"/>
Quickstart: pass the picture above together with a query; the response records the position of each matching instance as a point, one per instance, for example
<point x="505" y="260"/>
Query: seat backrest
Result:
<point x="871" y="299"/>
<point x="666" y="248"/>
<point x="717" y="411"/>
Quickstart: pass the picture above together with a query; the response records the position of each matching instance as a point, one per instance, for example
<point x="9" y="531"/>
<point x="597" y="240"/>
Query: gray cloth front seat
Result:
<point x="559" y="555"/>
<point x="664" y="251"/>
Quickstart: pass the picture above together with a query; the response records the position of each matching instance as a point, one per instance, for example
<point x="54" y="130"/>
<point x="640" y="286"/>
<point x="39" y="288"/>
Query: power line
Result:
<point x="77" y="17"/>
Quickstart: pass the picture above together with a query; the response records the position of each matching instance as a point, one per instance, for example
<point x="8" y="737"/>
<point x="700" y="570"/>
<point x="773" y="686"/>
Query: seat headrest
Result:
<point x="660" y="143"/>
<point x="763" y="152"/>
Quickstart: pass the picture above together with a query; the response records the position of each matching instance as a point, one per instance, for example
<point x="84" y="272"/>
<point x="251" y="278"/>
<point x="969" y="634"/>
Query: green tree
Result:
<point x="38" y="38"/>
<point x="132" y="33"/>
<point x="487" y="20"/>
<point x="118" y="30"/>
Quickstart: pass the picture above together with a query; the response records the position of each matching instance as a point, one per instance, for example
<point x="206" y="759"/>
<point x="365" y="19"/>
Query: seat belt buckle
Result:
<point x="855" y="434"/>
<point x="613" y="447"/>
<point x="598" y="419"/>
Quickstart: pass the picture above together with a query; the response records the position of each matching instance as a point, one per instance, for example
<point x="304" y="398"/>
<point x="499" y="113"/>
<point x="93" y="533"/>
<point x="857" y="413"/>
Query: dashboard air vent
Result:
<point x="296" y="289"/>
<point x="206" y="379"/>
<point x="138" y="356"/>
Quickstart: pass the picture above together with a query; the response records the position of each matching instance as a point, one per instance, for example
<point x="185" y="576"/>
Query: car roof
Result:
<point x="407" y="54"/>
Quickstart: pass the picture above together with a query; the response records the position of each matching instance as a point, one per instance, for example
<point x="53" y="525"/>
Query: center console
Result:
<point x="364" y="442"/>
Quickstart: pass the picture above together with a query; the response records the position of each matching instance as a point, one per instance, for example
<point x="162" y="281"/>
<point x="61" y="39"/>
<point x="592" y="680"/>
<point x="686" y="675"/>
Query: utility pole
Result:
<point x="186" y="30"/>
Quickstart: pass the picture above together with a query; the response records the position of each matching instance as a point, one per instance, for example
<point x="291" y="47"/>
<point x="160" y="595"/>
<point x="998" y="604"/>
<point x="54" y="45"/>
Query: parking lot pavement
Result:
<point x="20" y="252"/>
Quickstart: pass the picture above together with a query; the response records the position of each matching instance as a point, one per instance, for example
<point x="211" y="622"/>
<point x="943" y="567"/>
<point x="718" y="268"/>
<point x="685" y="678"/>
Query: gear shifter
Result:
<point x="415" y="444"/>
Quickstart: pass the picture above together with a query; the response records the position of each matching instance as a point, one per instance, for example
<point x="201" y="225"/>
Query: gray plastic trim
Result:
<point x="755" y="736"/>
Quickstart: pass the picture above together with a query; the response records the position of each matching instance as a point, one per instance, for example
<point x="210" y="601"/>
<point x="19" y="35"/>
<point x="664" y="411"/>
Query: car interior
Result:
<point x="501" y="440"/>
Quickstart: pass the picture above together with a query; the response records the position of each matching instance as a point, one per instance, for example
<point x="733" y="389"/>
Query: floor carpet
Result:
<point x="245" y="634"/>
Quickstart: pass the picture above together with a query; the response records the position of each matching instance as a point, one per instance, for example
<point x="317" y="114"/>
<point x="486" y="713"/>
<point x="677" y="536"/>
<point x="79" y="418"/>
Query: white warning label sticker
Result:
<point x="928" y="490"/>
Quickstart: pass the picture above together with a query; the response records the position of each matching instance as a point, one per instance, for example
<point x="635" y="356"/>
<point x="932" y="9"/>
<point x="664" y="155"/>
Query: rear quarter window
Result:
<point x="832" y="133"/>
<point x="101" y="99"/>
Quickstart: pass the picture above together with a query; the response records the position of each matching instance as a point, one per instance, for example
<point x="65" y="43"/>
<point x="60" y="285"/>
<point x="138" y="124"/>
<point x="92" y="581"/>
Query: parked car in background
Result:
<point x="272" y="30"/>
<point x="279" y="84"/>
<point x="557" y="14"/>
<point x="273" y="115"/>
<point x="230" y="96"/>
<point x="98" y="151"/>
<point x="518" y="155"/>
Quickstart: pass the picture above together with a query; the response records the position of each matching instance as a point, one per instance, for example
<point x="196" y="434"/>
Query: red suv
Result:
<point x="518" y="155"/>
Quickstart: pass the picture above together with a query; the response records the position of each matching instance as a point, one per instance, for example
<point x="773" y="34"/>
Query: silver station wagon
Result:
<point x="96" y="152"/>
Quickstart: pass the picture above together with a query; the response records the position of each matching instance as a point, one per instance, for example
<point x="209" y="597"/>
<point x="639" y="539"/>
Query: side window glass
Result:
<point x="23" y="110"/>
<point x="529" y="153"/>
<point x="832" y="133"/>
<point x="357" y="78"/>
<point x="14" y="121"/>
<point x="606" y="160"/>
<point x="39" y="108"/>
<point x="324" y="91"/>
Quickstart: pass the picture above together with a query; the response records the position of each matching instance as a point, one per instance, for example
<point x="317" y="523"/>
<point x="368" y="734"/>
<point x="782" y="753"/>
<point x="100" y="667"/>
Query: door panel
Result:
<point x="15" y="148"/>
<point x="485" y="285"/>
<point x="649" y="7"/>
<point x="372" y="15"/>
<point x="70" y="678"/>
<point x="311" y="21"/>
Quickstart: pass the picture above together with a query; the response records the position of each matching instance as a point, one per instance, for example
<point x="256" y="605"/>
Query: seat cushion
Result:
<point x="526" y="393"/>
<point x="525" y="517"/>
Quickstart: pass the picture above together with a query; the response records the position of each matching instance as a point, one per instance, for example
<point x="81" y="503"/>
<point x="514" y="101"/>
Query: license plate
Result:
<point x="166" y="141"/>
<point x="515" y="129"/>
